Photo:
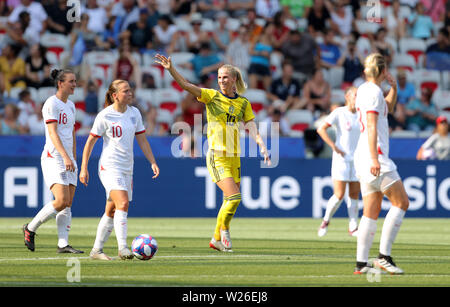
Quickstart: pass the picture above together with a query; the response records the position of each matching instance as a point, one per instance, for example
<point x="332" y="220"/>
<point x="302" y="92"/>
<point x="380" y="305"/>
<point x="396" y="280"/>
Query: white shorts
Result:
<point x="54" y="172"/>
<point x="381" y="184"/>
<point x="116" y="181"/>
<point x="343" y="170"/>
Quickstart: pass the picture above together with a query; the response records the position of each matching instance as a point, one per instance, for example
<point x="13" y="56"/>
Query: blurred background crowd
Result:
<point x="297" y="57"/>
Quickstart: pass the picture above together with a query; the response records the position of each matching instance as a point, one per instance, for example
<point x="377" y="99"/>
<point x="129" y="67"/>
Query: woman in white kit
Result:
<point x="118" y="124"/>
<point x="58" y="162"/>
<point x="345" y="120"/>
<point x="377" y="172"/>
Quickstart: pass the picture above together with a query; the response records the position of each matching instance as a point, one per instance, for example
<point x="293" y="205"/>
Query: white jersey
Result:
<point x="347" y="132"/>
<point x="62" y="113"/>
<point x="370" y="99"/>
<point x="118" y="131"/>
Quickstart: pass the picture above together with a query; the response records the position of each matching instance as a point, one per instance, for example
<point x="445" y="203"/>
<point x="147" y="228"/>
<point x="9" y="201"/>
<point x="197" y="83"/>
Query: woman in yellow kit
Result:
<point x="226" y="109"/>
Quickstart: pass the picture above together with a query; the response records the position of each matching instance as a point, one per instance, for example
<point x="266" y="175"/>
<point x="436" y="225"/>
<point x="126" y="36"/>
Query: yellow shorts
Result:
<point x="221" y="166"/>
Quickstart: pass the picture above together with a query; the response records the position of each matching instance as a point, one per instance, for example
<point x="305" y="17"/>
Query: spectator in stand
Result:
<point x="9" y="124"/>
<point x="267" y="8"/>
<point x="97" y="16"/>
<point x="126" y="12"/>
<point x="139" y="33"/>
<point x="206" y="63"/>
<point x="197" y="35"/>
<point x="209" y="8"/>
<point x="436" y="146"/>
<point x="153" y="13"/>
<point x="259" y="69"/>
<point x="152" y="127"/>
<point x="57" y="21"/>
<point x="394" y="23"/>
<point x="285" y="89"/>
<point x="297" y="8"/>
<point x="26" y="106"/>
<point x="420" y="25"/>
<point x="221" y="36"/>
<point x="164" y="31"/>
<point x="275" y="124"/>
<point x="126" y="66"/>
<point x="181" y="8"/>
<point x="254" y="29"/>
<point x="239" y="8"/>
<point x="351" y="61"/>
<point x="110" y="35"/>
<point x="91" y="102"/>
<point x="342" y="20"/>
<point x="317" y="94"/>
<point x="37" y="68"/>
<point x="35" y="124"/>
<point x="280" y="31"/>
<point x="421" y="113"/>
<point x="329" y="50"/>
<point x="405" y="89"/>
<point x="5" y="10"/>
<point x="190" y="106"/>
<point x="38" y="16"/>
<point x="301" y="50"/>
<point x="379" y="45"/>
<point x="435" y="9"/>
<point x="12" y="68"/>
<point x="318" y="17"/>
<point x="437" y="55"/>
<point x="238" y="51"/>
<point x="18" y="33"/>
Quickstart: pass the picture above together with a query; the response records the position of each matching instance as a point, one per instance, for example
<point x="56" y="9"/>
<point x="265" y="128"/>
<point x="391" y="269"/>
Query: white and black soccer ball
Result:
<point x="144" y="247"/>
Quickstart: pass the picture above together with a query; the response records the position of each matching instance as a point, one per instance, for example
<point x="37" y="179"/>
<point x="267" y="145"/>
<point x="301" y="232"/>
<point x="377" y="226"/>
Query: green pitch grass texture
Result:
<point x="267" y="253"/>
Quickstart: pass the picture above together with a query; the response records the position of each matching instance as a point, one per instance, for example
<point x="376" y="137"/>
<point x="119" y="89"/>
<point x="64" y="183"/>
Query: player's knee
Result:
<point x="122" y="205"/>
<point x="61" y="203"/>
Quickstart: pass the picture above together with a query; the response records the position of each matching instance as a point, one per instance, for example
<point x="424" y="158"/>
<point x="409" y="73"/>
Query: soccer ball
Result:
<point x="144" y="247"/>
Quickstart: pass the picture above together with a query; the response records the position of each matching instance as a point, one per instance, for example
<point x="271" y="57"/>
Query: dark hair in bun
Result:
<point x="59" y="75"/>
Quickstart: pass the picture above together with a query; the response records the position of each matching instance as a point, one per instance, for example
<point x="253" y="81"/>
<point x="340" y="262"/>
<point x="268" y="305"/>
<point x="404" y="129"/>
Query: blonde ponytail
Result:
<point x="241" y="86"/>
<point x="374" y="65"/>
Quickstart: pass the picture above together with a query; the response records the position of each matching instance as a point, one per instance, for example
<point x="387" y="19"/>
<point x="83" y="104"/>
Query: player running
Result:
<point x="226" y="109"/>
<point x="118" y="124"/>
<point x="58" y="162"/>
<point x="377" y="172"/>
<point x="345" y="121"/>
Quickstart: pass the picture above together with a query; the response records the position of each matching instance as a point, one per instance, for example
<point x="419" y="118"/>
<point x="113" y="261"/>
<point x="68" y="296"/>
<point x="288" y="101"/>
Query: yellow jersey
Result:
<point x="224" y="115"/>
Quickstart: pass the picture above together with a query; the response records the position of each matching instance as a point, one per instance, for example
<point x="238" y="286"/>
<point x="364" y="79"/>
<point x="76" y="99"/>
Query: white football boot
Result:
<point x="98" y="254"/>
<point x="125" y="253"/>
<point x="323" y="229"/>
<point x="226" y="239"/>
<point x="387" y="264"/>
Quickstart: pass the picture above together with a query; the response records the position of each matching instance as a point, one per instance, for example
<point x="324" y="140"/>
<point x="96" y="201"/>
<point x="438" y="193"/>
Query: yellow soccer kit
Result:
<point x="224" y="114"/>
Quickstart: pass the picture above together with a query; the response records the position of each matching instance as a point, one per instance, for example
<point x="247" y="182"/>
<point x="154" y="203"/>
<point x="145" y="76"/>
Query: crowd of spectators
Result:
<point x="301" y="53"/>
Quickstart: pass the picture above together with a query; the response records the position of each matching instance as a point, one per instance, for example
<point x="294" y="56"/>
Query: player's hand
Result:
<point x="68" y="164"/>
<point x="163" y="61"/>
<point x="391" y="80"/>
<point x="265" y="154"/>
<point x="84" y="177"/>
<point x="375" y="168"/>
<point x="336" y="149"/>
<point x="155" y="169"/>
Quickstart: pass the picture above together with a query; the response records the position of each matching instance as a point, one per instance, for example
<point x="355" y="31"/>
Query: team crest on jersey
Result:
<point x="231" y="109"/>
<point x="133" y="120"/>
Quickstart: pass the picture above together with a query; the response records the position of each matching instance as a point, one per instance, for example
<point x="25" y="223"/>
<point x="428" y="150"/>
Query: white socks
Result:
<point x="46" y="213"/>
<point x="120" y="228"/>
<point x="104" y="229"/>
<point x="332" y="206"/>
<point x="391" y="226"/>
<point x="367" y="229"/>
<point x="352" y="210"/>
<point x="63" y="221"/>
<point x="366" y="233"/>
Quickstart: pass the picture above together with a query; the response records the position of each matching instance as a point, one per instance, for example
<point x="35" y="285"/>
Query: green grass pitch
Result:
<point x="283" y="252"/>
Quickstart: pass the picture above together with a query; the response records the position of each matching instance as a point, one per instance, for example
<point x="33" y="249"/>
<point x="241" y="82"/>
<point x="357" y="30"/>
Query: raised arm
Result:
<point x="391" y="98"/>
<point x="182" y="82"/>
